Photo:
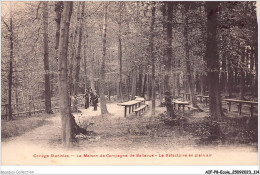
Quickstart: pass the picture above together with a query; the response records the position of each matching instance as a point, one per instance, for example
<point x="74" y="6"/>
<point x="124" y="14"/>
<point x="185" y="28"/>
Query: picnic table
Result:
<point x="201" y="97"/>
<point x="180" y="104"/>
<point x="185" y="96"/>
<point x="240" y="102"/>
<point x="132" y="104"/>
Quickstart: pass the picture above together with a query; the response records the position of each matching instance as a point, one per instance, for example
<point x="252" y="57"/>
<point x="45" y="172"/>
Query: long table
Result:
<point x="180" y="104"/>
<point x="131" y="105"/>
<point x="240" y="102"/>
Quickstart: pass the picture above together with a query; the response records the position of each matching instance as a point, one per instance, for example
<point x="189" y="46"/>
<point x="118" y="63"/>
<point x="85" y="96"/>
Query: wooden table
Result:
<point x="185" y="96"/>
<point x="180" y="104"/>
<point x="240" y="102"/>
<point x="201" y="97"/>
<point x="131" y="104"/>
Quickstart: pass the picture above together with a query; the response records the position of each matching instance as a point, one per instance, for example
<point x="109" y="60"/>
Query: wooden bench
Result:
<point x="140" y="109"/>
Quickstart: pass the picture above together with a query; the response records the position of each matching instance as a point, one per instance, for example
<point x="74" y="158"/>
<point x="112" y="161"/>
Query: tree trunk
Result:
<point x="58" y="10"/>
<point x="187" y="59"/>
<point x="78" y="57"/>
<point x="46" y="59"/>
<point x="119" y="90"/>
<point x="103" y="66"/>
<point x="10" y="76"/>
<point x="140" y="81"/>
<point x="256" y="69"/>
<point x="168" y="60"/>
<point x="215" y="107"/>
<point x="92" y="73"/>
<point x="230" y="79"/>
<point x="133" y="89"/>
<point x="242" y="76"/>
<point x="64" y="100"/>
<point x="144" y="86"/>
<point x="152" y="55"/>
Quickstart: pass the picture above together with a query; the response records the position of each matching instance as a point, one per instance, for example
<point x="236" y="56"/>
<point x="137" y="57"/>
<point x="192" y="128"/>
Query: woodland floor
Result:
<point x="142" y="134"/>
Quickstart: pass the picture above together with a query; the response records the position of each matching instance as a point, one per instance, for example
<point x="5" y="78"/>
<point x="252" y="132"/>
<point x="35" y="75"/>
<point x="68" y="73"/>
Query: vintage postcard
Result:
<point x="129" y="83"/>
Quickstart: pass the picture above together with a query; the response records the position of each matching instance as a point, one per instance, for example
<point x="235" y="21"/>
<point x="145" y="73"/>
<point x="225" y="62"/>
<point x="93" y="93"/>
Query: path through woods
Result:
<point x="116" y="134"/>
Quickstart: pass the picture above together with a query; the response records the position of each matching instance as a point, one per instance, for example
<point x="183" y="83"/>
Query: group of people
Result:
<point x="91" y="98"/>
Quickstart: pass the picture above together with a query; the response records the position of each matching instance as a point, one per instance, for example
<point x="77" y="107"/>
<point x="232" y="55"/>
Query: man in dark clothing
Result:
<point x="95" y="101"/>
<point x="86" y="99"/>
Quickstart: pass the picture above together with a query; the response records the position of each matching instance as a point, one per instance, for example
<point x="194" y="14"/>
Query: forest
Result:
<point x="192" y="67"/>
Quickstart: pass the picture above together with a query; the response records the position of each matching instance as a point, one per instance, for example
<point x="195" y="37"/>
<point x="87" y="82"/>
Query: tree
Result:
<point x="212" y="57"/>
<point x="152" y="55"/>
<point x="168" y="60"/>
<point x="187" y="6"/>
<point x="78" y="57"/>
<point x="103" y="66"/>
<point x="64" y="100"/>
<point x="46" y="58"/>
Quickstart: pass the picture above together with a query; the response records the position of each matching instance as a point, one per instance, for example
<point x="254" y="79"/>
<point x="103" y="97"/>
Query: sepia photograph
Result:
<point x="129" y="83"/>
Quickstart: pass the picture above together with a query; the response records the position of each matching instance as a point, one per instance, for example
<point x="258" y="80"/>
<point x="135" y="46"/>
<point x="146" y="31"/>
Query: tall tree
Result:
<point x="46" y="58"/>
<point x="64" y="100"/>
<point x="168" y="60"/>
<point x="10" y="77"/>
<point x="103" y="66"/>
<point x="190" y="82"/>
<point x="78" y="56"/>
<point x="152" y="55"/>
<point x="212" y="57"/>
<point x="119" y="90"/>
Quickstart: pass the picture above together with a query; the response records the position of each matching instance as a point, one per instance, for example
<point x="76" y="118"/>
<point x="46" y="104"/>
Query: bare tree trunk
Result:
<point x="140" y="81"/>
<point x="92" y="73"/>
<point x="168" y="97"/>
<point x="215" y="106"/>
<point x="78" y="57"/>
<point x="103" y="66"/>
<point x="119" y="90"/>
<point x="144" y="87"/>
<point x="85" y="63"/>
<point x="46" y="58"/>
<point x="242" y="76"/>
<point x="152" y="55"/>
<point x="64" y="100"/>
<point x="187" y="58"/>
<point x="133" y="91"/>
<point x="10" y="76"/>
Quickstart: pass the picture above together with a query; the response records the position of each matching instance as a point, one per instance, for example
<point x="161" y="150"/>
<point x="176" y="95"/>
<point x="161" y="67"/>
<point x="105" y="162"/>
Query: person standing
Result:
<point x="95" y="101"/>
<point x="86" y="99"/>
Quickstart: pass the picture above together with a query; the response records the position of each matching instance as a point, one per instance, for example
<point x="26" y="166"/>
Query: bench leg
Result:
<point x="129" y="109"/>
<point x="183" y="106"/>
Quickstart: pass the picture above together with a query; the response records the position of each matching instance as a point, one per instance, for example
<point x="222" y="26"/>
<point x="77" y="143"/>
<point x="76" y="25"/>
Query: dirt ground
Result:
<point x="117" y="135"/>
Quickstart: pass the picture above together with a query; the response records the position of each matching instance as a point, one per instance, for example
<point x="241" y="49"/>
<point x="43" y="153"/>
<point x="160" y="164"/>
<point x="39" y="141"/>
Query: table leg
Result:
<point x="125" y="110"/>
<point x="129" y="109"/>
<point x="183" y="106"/>
<point x="178" y="107"/>
<point x="229" y="106"/>
<point x="251" y="110"/>
<point x="133" y="108"/>
<point x="239" y="107"/>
